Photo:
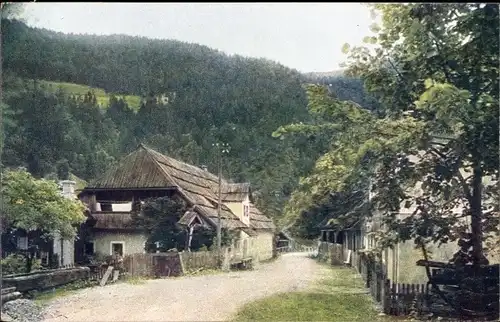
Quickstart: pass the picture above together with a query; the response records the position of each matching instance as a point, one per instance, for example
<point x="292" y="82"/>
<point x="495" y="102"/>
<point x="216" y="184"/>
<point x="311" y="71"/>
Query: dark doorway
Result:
<point x="117" y="248"/>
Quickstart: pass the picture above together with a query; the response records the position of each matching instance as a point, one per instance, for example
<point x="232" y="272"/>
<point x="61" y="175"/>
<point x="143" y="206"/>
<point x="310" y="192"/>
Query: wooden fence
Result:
<point x="153" y="264"/>
<point x="402" y="299"/>
<point x="196" y="260"/>
<point x="169" y="264"/>
<point x="332" y="253"/>
<point x="395" y="299"/>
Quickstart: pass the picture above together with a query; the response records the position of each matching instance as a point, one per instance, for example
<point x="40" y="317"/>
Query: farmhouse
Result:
<point x="146" y="173"/>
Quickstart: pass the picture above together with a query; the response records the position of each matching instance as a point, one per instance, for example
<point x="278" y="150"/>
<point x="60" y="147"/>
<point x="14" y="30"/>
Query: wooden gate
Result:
<point x="165" y="266"/>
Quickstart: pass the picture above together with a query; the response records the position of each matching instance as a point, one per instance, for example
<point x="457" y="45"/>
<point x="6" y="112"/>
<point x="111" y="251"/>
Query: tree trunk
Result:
<point x="476" y="217"/>
<point x="29" y="262"/>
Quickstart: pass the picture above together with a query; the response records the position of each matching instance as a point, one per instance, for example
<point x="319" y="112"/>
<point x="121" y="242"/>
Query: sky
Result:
<point x="304" y="36"/>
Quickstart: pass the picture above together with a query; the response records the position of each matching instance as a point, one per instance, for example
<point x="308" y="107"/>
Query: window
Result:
<point x="106" y="207"/>
<point x="44" y="258"/>
<point x="22" y="243"/>
<point x="117" y="247"/>
<point x="127" y="206"/>
<point x="246" y="210"/>
<point x="109" y="206"/>
<point x="88" y="248"/>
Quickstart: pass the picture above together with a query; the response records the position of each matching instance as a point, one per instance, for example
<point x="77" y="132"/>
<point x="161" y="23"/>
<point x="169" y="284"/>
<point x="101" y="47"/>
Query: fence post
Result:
<point x="386" y="296"/>
<point x="380" y="286"/>
<point x="393" y="299"/>
<point x="399" y="293"/>
<point x="181" y="259"/>
<point x="368" y="273"/>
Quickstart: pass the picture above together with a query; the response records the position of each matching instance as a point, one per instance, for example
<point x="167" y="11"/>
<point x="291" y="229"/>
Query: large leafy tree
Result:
<point x="434" y="72"/>
<point x="37" y="204"/>
<point x="439" y="63"/>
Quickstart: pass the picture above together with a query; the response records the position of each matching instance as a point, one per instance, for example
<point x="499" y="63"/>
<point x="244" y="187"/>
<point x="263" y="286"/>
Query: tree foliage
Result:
<point x="433" y="146"/>
<point x="37" y="204"/>
<point x="11" y="10"/>
<point x="158" y="217"/>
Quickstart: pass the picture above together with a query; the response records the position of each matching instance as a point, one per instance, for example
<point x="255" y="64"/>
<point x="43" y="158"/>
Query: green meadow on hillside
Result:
<point x="133" y="101"/>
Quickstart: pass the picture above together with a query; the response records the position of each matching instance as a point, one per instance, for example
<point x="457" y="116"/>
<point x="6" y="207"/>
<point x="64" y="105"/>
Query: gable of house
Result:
<point x="236" y="196"/>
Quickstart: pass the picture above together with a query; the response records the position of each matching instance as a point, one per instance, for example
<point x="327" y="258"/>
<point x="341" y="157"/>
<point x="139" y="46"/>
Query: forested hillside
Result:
<point x="192" y="96"/>
<point x="343" y="87"/>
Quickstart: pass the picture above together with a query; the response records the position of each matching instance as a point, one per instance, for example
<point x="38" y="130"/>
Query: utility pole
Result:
<point x="219" y="201"/>
<point x="221" y="148"/>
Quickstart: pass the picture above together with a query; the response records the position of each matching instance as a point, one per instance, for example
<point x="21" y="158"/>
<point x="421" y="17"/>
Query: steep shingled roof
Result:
<point x="258" y="221"/>
<point x="145" y="168"/>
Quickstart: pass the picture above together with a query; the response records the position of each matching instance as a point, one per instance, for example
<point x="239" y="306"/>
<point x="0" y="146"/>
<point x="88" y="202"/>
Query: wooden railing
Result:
<point x="296" y="248"/>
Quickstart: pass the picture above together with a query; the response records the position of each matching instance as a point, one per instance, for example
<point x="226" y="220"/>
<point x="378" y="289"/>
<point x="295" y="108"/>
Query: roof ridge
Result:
<point x="119" y="163"/>
<point x="176" y="160"/>
<point x="152" y="153"/>
<point x="156" y="162"/>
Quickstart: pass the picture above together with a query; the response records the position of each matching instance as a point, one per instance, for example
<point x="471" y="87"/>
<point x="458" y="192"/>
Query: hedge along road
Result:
<point x="202" y="298"/>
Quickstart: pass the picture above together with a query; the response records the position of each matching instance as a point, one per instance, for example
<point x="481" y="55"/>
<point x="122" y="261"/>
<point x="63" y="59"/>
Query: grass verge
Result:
<point x="338" y="295"/>
<point x="47" y="296"/>
<point x="203" y="271"/>
<point x="135" y="280"/>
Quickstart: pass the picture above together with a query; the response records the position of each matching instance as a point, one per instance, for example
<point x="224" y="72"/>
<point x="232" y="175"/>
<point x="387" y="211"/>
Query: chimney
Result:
<point x="68" y="188"/>
<point x="204" y="167"/>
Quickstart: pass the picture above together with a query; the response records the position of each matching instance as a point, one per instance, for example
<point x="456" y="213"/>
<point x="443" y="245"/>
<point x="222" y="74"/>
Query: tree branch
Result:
<point x="465" y="187"/>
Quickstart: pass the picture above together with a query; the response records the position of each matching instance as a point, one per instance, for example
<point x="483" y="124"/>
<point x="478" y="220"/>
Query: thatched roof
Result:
<point x="145" y="168"/>
<point x="258" y="221"/>
<point x="250" y="232"/>
<point x="235" y="192"/>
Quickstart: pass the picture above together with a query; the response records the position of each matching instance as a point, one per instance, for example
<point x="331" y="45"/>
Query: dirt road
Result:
<point x="202" y="298"/>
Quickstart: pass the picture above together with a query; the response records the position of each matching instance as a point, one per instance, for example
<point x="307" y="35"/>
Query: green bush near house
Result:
<point x="16" y="264"/>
